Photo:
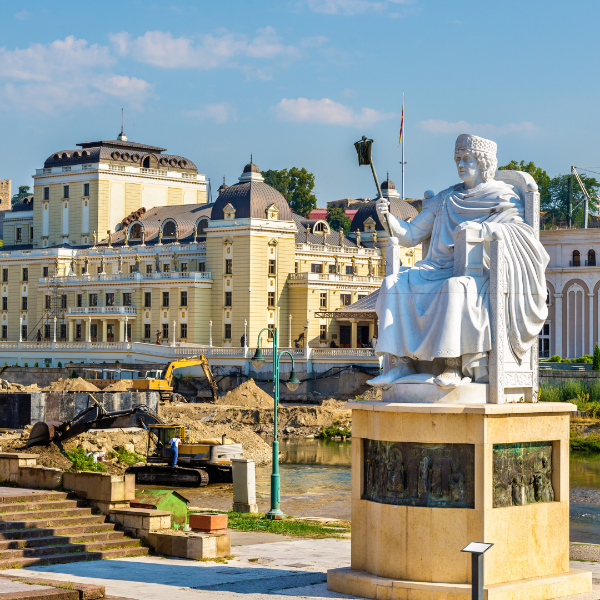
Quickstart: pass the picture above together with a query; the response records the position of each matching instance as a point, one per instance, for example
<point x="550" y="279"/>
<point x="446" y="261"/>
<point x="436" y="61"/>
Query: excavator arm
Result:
<point x="190" y="362"/>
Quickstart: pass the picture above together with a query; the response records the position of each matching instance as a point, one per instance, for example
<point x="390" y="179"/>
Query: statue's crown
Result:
<point x="472" y="142"/>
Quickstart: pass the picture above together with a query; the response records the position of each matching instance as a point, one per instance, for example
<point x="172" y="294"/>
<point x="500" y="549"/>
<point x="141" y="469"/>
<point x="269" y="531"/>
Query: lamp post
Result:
<point x="290" y="338"/>
<point x="245" y="336"/>
<point x="210" y="334"/>
<point x="292" y="383"/>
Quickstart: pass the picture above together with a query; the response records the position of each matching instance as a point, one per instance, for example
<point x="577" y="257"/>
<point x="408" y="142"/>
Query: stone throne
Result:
<point x="509" y="381"/>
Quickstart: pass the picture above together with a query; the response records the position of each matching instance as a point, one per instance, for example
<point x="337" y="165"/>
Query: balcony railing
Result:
<point x="334" y="277"/>
<point x="99" y="277"/>
<point x="338" y="249"/>
<point x="102" y="310"/>
<point x="590" y="262"/>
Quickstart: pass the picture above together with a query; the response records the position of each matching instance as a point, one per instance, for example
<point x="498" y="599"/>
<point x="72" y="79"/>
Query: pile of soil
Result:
<point x="71" y="385"/>
<point x="123" y="385"/>
<point x="247" y="394"/>
<point x="7" y="386"/>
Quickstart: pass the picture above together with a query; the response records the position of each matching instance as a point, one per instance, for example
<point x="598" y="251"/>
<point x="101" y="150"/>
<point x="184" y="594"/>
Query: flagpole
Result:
<point x="403" y="136"/>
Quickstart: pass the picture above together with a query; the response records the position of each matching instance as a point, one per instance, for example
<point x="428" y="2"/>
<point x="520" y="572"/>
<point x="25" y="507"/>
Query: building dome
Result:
<point x="251" y="198"/>
<point x="222" y="187"/>
<point x="388" y="184"/>
<point x="398" y="207"/>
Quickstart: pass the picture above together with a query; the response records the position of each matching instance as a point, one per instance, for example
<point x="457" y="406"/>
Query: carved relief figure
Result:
<point x="457" y="485"/>
<point x="157" y="263"/>
<point x="370" y="267"/>
<point x="426" y="312"/>
<point x="337" y="263"/>
<point x="120" y="264"/>
<point x="85" y="265"/>
<point x="143" y="236"/>
<point x="424" y="477"/>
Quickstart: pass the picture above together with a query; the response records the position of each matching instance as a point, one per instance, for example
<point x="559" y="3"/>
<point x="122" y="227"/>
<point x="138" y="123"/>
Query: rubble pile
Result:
<point x="71" y="385"/>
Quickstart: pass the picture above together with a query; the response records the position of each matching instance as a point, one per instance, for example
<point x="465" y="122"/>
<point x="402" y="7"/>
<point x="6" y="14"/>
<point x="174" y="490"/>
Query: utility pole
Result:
<point x="570" y="221"/>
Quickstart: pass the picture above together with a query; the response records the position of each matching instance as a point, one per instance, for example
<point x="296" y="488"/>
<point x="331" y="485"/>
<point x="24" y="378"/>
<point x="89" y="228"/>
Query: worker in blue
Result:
<point x="174" y="443"/>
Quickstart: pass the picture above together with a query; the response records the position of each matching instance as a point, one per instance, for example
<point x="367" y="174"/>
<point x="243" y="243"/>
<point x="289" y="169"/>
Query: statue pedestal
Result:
<point x="429" y="479"/>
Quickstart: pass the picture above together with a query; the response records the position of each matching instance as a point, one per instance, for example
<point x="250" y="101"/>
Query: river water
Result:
<point x="315" y="481"/>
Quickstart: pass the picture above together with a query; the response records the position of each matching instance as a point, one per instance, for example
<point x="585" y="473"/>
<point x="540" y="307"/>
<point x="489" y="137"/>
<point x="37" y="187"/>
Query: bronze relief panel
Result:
<point x="413" y="474"/>
<point x="522" y="473"/>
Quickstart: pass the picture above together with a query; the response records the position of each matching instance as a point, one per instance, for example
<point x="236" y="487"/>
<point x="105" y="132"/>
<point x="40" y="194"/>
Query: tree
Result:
<point x="557" y="199"/>
<point x="296" y="186"/>
<point x="24" y="190"/>
<point x="541" y="177"/>
<point x="336" y="217"/>
<point x="596" y="361"/>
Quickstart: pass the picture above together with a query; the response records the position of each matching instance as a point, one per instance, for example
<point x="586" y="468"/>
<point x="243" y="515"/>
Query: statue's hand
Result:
<point x="383" y="208"/>
<point x="474" y="226"/>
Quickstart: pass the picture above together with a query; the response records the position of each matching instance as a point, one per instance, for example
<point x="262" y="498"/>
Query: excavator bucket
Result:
<point x="43" y="432"/>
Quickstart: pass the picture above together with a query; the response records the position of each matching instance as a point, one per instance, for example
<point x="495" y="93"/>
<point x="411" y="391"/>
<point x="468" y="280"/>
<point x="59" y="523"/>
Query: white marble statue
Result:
<point x="428" y="312"/>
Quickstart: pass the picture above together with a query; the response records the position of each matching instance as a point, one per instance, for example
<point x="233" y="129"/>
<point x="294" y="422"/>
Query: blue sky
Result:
<point x="297" y="82"/>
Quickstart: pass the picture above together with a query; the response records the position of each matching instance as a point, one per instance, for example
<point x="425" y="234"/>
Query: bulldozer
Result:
<point x="202" y="462"/>
<point x="162" y="383"/>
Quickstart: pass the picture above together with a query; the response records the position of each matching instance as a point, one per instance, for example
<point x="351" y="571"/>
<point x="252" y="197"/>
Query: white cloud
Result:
<point x="354" y="7"/>
<point x="438" y="126"/>
<point x="219" y="113"/>
<point x="22" y="15"/>
<point x="62" y="74"/>
<point x="327" y="112"/>
<point x="211" y="51"/>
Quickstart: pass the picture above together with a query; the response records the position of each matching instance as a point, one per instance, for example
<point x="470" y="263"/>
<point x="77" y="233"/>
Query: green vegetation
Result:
<point x="73" y="375"/>
<point x="36" y="364"/>
<point x="334" y="431"/>
<point x="26" y="364"/>
<point x="81" y="462"/>
<point x="596" y="360"/>
<point x="129" y="458"/>
<point x="287" y="526"/>
<point x="217" y="559"/>
<point x="59" y="365"/>
<point x="296" y="186"/>
<point x="336" y="217"/>
<point x="24" y="190"/>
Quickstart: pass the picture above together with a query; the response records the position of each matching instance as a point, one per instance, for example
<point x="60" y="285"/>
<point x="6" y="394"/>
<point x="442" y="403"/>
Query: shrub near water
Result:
<point x="81" y="462"/>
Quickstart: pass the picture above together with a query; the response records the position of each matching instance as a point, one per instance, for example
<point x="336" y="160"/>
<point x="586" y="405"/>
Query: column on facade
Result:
<point x="88" y="325"/>
<point x="121" y="331"/>
<point x="371" y="330"/>
<point x="103" y="336"/>
<point x="353" y="333"/>
<point x="558" y="344"/>
<point x="591" y="324"/>
<point x="70" y="328"/>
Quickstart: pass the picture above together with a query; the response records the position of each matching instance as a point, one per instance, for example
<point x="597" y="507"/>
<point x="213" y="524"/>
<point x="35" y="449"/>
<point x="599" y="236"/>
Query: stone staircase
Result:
<point x="49" y="528"/>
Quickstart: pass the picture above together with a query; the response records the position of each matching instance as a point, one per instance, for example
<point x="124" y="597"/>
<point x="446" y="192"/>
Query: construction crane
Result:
<point x="586" y="197"/>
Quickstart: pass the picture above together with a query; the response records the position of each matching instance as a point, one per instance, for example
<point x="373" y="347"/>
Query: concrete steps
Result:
<point x="49" y="528"/>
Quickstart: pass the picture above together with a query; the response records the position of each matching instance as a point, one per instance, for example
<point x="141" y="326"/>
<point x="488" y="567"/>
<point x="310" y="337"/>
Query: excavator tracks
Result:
<point x="169" y="476"/>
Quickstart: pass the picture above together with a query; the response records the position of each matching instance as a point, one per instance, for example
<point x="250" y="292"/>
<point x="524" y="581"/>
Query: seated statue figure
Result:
<point x="429" y="312"/>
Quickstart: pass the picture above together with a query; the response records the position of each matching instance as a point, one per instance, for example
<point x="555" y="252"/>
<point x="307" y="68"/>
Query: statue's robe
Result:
<point x="425" y="312"/>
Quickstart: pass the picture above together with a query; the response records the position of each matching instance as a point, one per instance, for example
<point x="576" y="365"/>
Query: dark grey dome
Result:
<point x="222" y="188"/>
<point x="251" y="168"/>
<point x="388" y="185"/>
<point x="398" y="207"/>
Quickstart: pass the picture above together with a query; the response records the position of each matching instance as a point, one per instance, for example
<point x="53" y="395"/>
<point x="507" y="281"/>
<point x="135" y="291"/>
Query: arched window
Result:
<point x="320" y="227"/>
<point x="591" y="261"/>
<point x="136" y="232"/>
<point x="202" y="226"/>
<point x="576" y="262"/>
<point x="169" y="229"/>
<point x="146" y="163"/>
<point x="547" y="296"/>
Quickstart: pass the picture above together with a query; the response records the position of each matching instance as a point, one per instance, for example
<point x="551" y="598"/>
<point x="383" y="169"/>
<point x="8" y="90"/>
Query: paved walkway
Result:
<point x="263" y="569"/>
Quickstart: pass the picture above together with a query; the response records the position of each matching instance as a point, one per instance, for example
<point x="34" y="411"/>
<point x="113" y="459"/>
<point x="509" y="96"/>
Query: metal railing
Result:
<point x="103" y="310"/>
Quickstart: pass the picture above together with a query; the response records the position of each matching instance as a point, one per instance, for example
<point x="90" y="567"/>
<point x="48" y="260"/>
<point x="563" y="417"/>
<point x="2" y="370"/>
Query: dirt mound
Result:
<point x="247" y="394"/>
<point x="124" y="385"/>
<point x="71" y="385"/>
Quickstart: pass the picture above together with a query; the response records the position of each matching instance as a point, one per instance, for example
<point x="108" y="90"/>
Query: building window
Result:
<point x="24" y="302"/>
<point x="165" y="332"/>
<point x="148" y="268"/>
<point x="316" y="268"/>
<point x="126" y="298"/>
<point x="184" y="298"/>
<point x="323" y="332"/>
<point x="271" y="298"/>
<point x="202" y="267"/>
<point x="228" y="299"/>
<point x="48" y="300"/>
<point x="349" y="270"/>
<point x="45" y="271"/>
<point x="332" y="269"/>
<point x="79" y="300"/>
<point x="46" y="193"/>
<point x="24" y="331"/>
<point x="296" y="267"/>
<point x="31" y="233"/>
<point x="128" y="331"/>
<point x="227" y="331"/>
<point x="110" y="299"/>
<point x="63" y="301"/>
<point x="184" y="268"/>
<point x="99" y="269"/>
<point x="591" y="259"/>
<point x="147" y="300"/>
<point x="5" y="275"/>
<point x="65" y="191"/>
<point x="47" y="331"/>
<point x="19" y="234"/>
<point x="147" y="332"/>
<point x="4" y="303"/>
<point x="271" y="327"/>
<point x="183" y="330"/>
<point x="345" y="299"/>
<point x="165" y="299"/>
<point x="228" y="266"/>
<point x="272" y="267"/>
<point x="166" y="267"/>
<point x="576" y="262"/>
<point x="544" y="341"/>
<point x="361" y="296"/>
<point x="323" y="299"/>
<point x="25" y="274"/>
<point x="4" y="331"/>
<point x="169" y="229"/>
<point x="77" y="332"/>
<point x="63" y="331"/>
<point x="86" y="189"/>
<point x="93" y="299"/>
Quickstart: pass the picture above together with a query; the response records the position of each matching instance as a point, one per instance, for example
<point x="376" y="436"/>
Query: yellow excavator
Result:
<point x="162" y="383"/>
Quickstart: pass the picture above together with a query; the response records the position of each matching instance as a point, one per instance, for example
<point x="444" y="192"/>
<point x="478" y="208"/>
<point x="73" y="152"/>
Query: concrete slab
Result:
<point x="249" y="538"/>
<point x="10" y="587"/>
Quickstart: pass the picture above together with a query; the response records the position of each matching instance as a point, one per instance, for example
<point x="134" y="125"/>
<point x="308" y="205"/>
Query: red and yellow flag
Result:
<point x="401" y="123"/>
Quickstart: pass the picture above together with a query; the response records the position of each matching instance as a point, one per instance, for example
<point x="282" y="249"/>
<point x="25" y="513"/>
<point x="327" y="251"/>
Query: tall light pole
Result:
<point x="290" y="342"/>
<point x="292" y="383"/>
<point x="210" y="334"/>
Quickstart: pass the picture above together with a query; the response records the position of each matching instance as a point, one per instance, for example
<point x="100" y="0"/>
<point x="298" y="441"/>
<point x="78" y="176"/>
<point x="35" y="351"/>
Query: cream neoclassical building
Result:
<point x="118" y="246"/>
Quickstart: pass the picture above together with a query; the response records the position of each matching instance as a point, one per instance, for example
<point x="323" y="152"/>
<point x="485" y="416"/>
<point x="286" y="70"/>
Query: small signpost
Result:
<point x="477" y="550"/>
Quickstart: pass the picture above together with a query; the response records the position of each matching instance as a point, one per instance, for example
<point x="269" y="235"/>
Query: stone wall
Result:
<point x="5" y="194"/>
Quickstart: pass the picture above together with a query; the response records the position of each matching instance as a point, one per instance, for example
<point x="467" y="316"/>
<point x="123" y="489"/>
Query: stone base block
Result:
<point x="242" y="507"/>
<point x="429" y="393"/>
<point x="193" y="546"/>
<point x="365" y="585"/>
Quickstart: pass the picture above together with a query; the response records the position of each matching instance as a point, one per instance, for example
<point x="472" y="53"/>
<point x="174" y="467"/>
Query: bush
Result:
<point x="566" y="360"/>
<point x="555" y="358"/>
<point x="334" y="431"/>
<point x="596" y="360"/>
<point x="586" y="358"/>
<point x="81" y="462"/>
<point x="129" y="458"/>
<point x="59" y="365"/>
<point x="26" y="364"/>
<point x="73" y="375"/>
<point x="36" y="364"/>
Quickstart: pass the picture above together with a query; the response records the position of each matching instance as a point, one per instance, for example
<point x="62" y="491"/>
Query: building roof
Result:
<point x="335" y="238"/>
<point x="398" y="207"/>
<point x="24" y="204"/>
<point x="388" y="184"/>
<point x="251" y="198"/>
<point x="364" y="308"/>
